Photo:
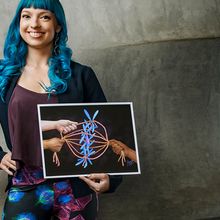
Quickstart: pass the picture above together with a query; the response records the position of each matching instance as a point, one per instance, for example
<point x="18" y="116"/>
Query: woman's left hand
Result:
<point x="98" y="182"/>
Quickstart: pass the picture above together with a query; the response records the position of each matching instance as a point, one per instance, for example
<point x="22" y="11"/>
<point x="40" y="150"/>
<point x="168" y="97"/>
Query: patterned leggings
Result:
<point x="48" y="201"/>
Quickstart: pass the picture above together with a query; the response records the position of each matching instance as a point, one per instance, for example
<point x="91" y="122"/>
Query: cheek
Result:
<point x="52" y="32"/>
<point x="23" y="27"/>
<point x="22" y="32"/>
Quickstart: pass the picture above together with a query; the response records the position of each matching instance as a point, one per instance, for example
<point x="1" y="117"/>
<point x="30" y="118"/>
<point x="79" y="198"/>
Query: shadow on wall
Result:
<point x="176" y="94"/>
<point x="175" y="88"/>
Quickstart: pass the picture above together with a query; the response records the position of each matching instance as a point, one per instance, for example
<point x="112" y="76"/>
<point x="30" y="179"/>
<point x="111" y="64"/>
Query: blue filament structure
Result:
<point x="26" y="216"/>
<point x="15" y="196"/>
<point x="87" y="139"/>
<point x="45" y="196"/>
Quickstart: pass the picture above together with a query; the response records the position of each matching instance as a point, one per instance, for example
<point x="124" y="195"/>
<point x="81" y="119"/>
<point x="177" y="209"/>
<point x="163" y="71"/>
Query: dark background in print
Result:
<point x="118" y="122"/>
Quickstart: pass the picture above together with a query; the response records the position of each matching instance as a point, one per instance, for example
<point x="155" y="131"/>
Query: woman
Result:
<point x="37" y="69"/>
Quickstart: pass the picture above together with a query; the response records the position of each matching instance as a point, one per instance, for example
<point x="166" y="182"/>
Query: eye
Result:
<point x="45" y="18"/>
<point x="25" y="16"/>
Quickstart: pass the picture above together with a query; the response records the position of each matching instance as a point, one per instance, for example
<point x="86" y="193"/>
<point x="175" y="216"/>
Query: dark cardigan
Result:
<point x="83" y="87"/>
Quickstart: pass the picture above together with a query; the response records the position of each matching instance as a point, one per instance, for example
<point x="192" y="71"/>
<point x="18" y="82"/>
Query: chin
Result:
<point x="39" y="47"/>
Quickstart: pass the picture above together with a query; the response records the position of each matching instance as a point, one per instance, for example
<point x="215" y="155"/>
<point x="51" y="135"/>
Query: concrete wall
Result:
<point x="100" y="24"/>
<point x="164" y="56"/>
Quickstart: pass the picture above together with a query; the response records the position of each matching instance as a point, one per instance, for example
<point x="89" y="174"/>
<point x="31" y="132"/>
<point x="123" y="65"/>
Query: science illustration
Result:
<point x="88" y="142"/>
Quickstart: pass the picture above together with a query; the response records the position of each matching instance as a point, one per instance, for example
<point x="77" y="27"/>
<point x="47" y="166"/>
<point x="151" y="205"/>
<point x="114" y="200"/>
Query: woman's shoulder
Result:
<point x="81" y="70"/>
<point x="88" y="82"/>
<point x="78" y="67"/>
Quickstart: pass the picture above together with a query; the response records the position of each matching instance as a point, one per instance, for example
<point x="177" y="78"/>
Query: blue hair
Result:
<point x="15" y="49"/>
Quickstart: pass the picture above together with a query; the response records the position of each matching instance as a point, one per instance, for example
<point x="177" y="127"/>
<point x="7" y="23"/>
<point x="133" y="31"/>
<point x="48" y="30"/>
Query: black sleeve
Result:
<point x="94" y="93"/>
<point x="2" y="153"/>
<point x="114" y="183"/>
<point x="92" y="88"/>
<point x="3" y="118"/>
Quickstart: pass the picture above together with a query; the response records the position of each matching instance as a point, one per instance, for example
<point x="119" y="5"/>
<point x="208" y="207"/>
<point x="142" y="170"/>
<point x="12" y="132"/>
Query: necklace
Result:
<point x="46" y="88"/>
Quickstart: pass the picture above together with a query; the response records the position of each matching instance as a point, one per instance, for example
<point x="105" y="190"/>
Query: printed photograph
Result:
<point x="79" y="139"/>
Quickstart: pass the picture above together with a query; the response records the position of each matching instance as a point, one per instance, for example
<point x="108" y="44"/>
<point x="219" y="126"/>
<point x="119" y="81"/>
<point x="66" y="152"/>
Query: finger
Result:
<point x="83" y="178"/>
<point x="62" y="141"/>
<point x="86" y="179"/>
<point x="74" y="123"/>
<point x="68" y="128"/>
<point x="12" y="162"/>
<point x="7" y="170"/>
<point x="112" y="141"/>
<point x="68" y="122"/>
<point x="93" y="185"/>
<point x="65" y="130"/>
<point x="73" y="127"/>
<point x="64" y="122"/>
<point x="97" y="176"/>
<point x="100" y="182"/>
<point x="8" y="162"/>
<point x="122" y="144"/>
<point x="11" y="165"/>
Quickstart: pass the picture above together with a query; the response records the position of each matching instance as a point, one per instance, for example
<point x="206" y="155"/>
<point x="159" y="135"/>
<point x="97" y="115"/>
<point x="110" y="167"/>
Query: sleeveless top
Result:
<point x="24" y="133"/>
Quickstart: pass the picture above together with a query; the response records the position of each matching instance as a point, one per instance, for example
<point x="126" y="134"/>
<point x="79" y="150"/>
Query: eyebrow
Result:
<point x="30" y="12"/>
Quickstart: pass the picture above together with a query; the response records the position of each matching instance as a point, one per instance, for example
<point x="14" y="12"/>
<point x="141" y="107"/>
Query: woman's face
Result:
<point x="38" y="28"/>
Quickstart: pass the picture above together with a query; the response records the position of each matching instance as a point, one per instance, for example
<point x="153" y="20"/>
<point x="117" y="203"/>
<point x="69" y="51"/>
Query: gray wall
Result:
<point x="164" y="56"/>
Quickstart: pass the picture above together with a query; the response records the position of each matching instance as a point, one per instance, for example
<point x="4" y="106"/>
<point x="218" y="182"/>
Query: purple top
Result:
<point x="23" y="126"/>
<point x="27" y="176"/>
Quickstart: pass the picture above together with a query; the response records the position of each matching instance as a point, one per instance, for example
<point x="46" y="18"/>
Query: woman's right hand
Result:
<point x="7" y="163"/>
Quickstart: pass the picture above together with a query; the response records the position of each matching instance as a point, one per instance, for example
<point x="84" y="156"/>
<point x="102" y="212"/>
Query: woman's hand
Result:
<point x="53" y="144"/>
<point x="118" y="147"/>
<point x="98" y="182"/>
<point x="7" y="163"/>
<point x="63" y="126"/>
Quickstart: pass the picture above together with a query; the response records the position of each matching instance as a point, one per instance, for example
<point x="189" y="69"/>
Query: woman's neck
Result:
<point x="37" y="58"/>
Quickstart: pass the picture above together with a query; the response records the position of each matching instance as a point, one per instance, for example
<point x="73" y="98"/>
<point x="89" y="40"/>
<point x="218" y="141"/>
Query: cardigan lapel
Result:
<point x="11" y="88"/>
<point x="72" y="95"/>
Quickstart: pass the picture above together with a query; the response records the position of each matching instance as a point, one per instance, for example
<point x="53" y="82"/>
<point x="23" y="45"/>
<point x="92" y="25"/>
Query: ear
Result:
<point x="58" y="29"/>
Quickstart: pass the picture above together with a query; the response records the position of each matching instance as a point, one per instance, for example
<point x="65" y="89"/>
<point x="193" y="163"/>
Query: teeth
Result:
<point x="36" y="34"/>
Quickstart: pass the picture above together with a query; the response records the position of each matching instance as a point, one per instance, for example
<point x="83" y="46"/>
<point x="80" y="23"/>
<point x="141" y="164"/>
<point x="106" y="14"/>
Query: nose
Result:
<point x="35" y="23"/>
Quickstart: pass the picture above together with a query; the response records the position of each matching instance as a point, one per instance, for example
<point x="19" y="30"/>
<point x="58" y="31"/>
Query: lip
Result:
<point x="35" y="34"/>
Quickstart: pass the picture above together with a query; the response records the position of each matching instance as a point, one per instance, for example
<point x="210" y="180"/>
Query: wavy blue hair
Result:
<point x="15" y="49"/>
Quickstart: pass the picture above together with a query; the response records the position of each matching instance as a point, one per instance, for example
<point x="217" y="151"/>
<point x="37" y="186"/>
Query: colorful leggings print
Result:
<point x="48" y="201"/>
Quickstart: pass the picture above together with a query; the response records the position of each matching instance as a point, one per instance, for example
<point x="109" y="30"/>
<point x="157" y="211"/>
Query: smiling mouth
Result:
<point x="36" y="34"/>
